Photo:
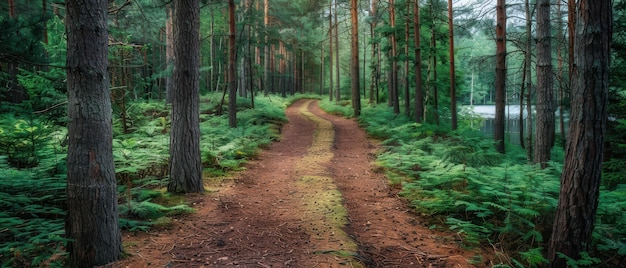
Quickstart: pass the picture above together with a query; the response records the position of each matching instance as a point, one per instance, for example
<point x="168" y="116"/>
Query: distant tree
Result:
<point x="185" y="160"/>
<point x="232" y="64"/>
<point x="393" y="83"/>
<point x="337" y="76"/>
<point x="419" y="91"/>
<point x="356" y="88"/>
<point x="580" y="181"/>
<point x="500" y="74"/>
<point x="92" y="213"/>
<point x="331" y="53"/>
<point x="544" y="138"/>
<point x="169" y="51"/>
<point x="452" y="71"/>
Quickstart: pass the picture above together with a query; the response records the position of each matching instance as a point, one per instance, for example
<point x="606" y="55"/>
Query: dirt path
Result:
<point x="312" y="200"/>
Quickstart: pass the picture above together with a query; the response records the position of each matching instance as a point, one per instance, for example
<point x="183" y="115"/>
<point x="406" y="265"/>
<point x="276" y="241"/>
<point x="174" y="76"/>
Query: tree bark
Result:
<point x="500" y="75"/>
<point x="185" y="161"/>
<point x="356" y="87"/>
<point x="393" y="84"/>
<point x="338" y="88"/>
<point x="375" y="66"/>
<point x="266" y="59"/>
<point x="169" y="52"/>
<point x="529" y="83"/>
<point x="232" y="64"/>
<point x="92" y="213"/>
<point x="419" y="91"/>
<point x="452" y="70"/>
<point x="582" y="169"/>
<point x="545" y="93"/>
<point x="331" y="90"/>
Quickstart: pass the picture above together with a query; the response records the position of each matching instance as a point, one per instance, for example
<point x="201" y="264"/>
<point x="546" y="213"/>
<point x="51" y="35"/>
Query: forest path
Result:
<point x="314" y="199"/>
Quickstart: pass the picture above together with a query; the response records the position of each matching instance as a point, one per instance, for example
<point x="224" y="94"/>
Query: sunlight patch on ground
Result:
<point x="324" y="216"/>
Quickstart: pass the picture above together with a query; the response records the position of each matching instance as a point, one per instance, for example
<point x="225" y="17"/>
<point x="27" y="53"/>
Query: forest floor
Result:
<point x="313" y="199"/>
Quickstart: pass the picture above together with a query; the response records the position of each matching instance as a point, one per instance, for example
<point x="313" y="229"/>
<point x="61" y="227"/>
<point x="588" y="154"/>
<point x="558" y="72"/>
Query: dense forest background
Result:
<point x="423" y="78"/>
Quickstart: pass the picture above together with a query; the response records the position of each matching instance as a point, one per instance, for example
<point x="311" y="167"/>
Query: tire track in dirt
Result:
<point x="312" y="199"/>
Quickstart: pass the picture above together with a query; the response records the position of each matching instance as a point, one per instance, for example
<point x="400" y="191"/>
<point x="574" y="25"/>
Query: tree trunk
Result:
<point x="419" y="91"/>
<point x="266" y="59"/>
<point x="331" y="90"/>
<point x="545" y="93"/>
<point x="407" y="94"/>
<point x="529" y="83"/>
<point x="338" y="88"/>
<point x="580" y="181"/>
<point x="185" y="161"/>
<point x="356" y="87"/>
<point x="393" y="84"/>
<point x="375" y="63"/>
<point x="169" y="52"/>
<point x="452" y="70"/>
<point x="500" y="74"/>
<point x="92" y="214"/>
<point x="232" y="64"/>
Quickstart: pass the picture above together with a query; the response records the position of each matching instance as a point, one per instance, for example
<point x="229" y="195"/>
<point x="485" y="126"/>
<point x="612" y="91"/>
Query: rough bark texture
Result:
<point x="419" y="91"/>
<point x="545" y="93"/>
<point x="92" y="216"/>
<point x="356" y="87"/>
<point x="580" y="181"/>
<point x="185" y="163"/>
<point x="500" y="74"/>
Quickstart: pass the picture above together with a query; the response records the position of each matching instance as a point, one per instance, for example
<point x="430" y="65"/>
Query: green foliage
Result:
<point x="584" y="261"/>
<point x="610" y="229"/>
<point x="343" y="109"/>
<point x="32" y="215"/>
<point x="33" y="168"/>
<point x="485" y="197"/>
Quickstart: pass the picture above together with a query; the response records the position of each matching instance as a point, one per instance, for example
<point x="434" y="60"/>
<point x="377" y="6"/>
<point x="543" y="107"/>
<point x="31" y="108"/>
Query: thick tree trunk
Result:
<point x="500" y="74"/>
<point x="545" y="93"/>
<point x="419" y="91"/>
<point x="580" y="181"/>
<point x="356" y="87"/>
<point x="92" y="214"/>
<point x="185" y="161"/>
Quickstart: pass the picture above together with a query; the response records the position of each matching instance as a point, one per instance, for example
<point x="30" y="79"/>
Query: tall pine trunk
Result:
<point x="452" y="70"/>
<point x="500" y="74"/>
<point x="572" y="231"/>
<point x="393" y="84"/>
<point x="185" y="161"/>
<point x="356" y="88"/>
<point x="544" y="138"/>
<point x="92" y="213"/>
<point x="232" y="65"/>
<point x="419" y="91"/>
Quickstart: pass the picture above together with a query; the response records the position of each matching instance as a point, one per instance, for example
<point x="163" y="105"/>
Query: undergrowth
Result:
<point x="33" y="170"/>
<point x="487" y="199"/>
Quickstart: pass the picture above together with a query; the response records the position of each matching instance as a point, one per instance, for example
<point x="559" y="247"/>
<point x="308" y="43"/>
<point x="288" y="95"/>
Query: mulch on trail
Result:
<point x="263" y="217"/>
